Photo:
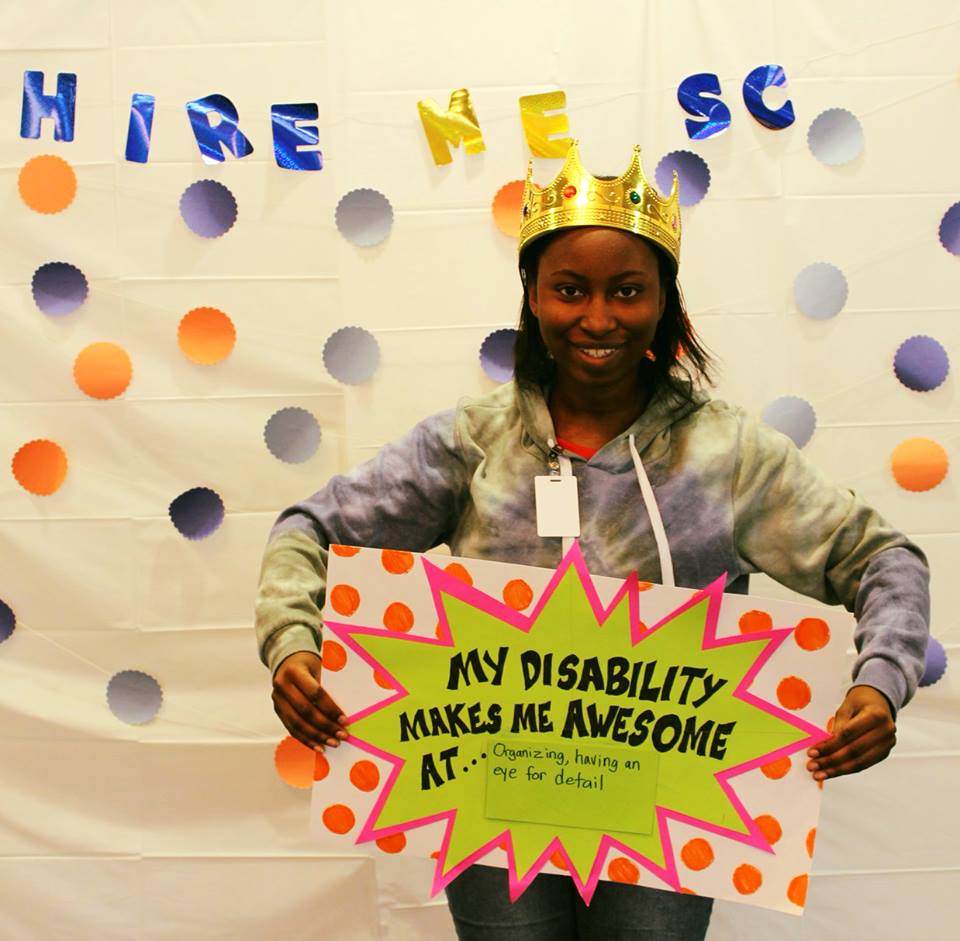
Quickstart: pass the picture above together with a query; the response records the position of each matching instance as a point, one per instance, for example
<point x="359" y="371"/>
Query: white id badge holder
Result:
<point x="558" y="509"/>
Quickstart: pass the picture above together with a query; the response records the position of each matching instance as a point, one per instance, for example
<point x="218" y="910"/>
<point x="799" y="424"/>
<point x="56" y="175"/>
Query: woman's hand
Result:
<point x="303" y="706"/>
<point x="863" y="734"/>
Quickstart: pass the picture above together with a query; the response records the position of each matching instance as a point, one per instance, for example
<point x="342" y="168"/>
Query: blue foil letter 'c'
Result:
<point x="141" y="124"/>
<point x="754" y="85"/>
<point x="226" y="132"/>
<point x="288" y="136"/>
<point x="36" y="105"/>
<point x="691" y="94"/>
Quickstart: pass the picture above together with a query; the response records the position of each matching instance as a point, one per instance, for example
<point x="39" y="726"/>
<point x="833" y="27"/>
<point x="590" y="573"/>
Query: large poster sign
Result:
<point x="552" y="721"/>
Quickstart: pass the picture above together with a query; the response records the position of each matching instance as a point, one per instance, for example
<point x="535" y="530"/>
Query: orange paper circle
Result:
<point x="396" y="561"/>
<point x="919" y="464"/>
<point x="398" y="617"/>
<point x="797" y="890"/>
<point x="811" y="634"/>
<point x="295" y="763"/>
<point x="206" y="335"/>
<point x="777" y="768"/>
<point x="40" y="467"/>
<point x="47" y="183"/>
<point x="103" y="370"/>
<point x="506" y="208"/>
<point x="793" y="693"/>
<point x="769" y="827"/>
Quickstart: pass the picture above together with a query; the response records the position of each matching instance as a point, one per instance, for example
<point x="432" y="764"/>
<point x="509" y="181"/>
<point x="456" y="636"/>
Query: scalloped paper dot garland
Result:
<point x="351" y="355"/>
<point x="496" y="354"/>
<point x="40" y="466"/>
<point x="292" y="435"/>
<point x="134" y="697"/>
<point x="820" y="290"/>
<point x="208" y="208"/>
<point x="692" y="172"/>
<point x="59" y="288"/>
<point x="197" y="513"/>
<point x="364" y="217"/>
<point x="793" y="416"/>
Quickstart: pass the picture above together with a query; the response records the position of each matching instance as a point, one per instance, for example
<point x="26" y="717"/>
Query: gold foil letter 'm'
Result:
<point x="539" y="127"/>
<point x="457" y="123"/>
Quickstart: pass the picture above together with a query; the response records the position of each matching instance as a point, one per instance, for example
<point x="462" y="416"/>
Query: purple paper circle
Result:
<point x="950" y="229"/>
<point x="208" y="208"/>
<point x="921" y="363"/>
<point x="793" y="416"/>
<point x="820" y="290"/>
<point x="292" y="435"/>
<point x="936" y="663"/>
<point x="351" y="355"/>
<point x="197" y="513"/>
<point x="134" y="697"/>
<point x="496" y="354"/>
<point x="693" y="172"/>
<point x="8" y="621"/>
<point x="364" y="217"/>
<point x="835" y="137"/>
<point x="59" y="288"/>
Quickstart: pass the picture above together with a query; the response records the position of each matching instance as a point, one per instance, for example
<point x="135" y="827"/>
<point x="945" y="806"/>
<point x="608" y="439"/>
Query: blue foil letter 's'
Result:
<point x="138" y="131"/>
<point x="754" y="85"/>
<point x="288" y="136"/>
<point x="36" y="105"/>
<point x="691" y="94"/>
<point x="225" y="132"/>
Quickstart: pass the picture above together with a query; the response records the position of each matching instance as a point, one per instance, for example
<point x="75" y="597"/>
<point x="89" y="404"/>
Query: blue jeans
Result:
<point x="551" y="910"/>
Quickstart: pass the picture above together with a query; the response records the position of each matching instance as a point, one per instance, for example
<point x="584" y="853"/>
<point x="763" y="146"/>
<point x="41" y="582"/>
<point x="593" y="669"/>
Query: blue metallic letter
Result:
<point x="754" y="84"/>
<point x="288" y="136"/>
<point x="141" y="123"/>
<point x="36" y="105"/>
<point x="691" y="94"/>
<point x="225" y="132"/>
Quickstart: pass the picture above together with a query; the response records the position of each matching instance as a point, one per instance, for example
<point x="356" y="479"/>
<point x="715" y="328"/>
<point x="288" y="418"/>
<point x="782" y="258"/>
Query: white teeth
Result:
<point x="599" y="353"/>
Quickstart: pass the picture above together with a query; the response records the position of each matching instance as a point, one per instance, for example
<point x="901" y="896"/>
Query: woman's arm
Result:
<point x="409" y="496"/>
<point x="818" y="539"/>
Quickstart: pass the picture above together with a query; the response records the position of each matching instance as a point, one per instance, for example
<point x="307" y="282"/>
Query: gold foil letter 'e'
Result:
<point x="539" y="127"/>
<point x="457" y="123"/>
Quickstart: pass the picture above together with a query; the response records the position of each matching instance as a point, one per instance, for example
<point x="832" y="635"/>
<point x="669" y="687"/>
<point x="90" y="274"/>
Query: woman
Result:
<point x="672" y="485"/>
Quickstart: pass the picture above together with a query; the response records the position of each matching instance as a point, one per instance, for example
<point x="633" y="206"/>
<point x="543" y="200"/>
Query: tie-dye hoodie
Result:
<point x="735" y="496"/>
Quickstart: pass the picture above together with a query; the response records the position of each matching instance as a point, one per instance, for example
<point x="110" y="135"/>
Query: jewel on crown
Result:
<point x="577" y="198"/>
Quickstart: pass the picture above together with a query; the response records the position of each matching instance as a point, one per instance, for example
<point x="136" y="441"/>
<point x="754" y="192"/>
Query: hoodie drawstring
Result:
<point x="656" y="521"/>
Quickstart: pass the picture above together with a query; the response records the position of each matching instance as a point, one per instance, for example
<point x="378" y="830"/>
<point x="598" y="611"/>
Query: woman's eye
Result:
<point x="568" y="290"/>
<point x="628" y="290"/>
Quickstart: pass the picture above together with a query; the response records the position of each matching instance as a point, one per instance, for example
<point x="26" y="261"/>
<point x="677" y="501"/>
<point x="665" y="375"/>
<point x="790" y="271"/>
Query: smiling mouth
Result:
<point x="598" y="352"/>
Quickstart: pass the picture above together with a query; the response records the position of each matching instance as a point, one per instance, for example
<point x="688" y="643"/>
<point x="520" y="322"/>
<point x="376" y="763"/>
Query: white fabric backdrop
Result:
<point x="181" y="828"/>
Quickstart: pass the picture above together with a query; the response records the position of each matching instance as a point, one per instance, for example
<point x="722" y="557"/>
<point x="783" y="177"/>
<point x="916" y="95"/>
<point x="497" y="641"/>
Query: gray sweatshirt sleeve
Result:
<point x="409" y="496"/>
<point x="818" y="539"/>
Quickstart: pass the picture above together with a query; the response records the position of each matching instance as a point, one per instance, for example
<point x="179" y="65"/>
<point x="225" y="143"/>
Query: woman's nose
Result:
<point x="597" y="318"/>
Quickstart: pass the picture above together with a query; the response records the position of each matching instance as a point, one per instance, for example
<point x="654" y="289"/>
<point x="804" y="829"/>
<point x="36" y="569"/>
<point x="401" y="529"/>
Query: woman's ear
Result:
<point x="532" y="298"/>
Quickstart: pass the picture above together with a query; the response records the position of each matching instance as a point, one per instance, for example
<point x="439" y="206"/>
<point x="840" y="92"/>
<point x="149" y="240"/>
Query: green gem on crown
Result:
<point x="634" y="197"/>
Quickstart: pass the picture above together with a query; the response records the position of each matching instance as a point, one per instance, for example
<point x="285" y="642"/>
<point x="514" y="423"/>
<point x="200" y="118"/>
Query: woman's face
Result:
<point x="598" y="300"/>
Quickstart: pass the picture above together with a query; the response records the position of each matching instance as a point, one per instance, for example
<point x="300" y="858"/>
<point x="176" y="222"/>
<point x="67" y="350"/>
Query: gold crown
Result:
<point x="576" y="197"/>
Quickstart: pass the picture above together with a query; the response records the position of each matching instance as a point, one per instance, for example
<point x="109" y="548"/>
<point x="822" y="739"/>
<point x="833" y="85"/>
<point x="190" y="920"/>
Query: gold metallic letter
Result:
<point x="539" y="127"/>
<point x="457" y="123"/>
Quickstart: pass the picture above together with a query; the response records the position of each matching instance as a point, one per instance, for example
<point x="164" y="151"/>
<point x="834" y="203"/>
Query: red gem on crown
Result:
<point x="569" y="191"/>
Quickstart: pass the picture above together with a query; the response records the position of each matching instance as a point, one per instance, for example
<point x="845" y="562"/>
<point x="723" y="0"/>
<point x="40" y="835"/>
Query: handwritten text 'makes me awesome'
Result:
<point x="611" y="676"/>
